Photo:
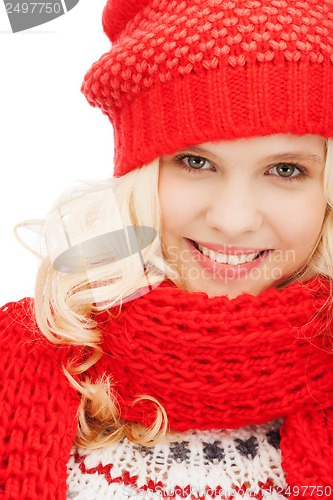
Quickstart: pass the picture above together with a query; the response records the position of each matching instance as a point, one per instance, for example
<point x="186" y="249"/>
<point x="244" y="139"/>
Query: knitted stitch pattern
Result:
<point x="38" y="410"/>
<point x="223" y="464"/>
<point x="38" y="407"/>
<point x="184" y="72"/>
<point x="220" y="363"/>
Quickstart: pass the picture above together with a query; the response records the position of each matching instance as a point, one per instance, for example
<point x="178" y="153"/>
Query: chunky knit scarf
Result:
<point x="221" y="363"/>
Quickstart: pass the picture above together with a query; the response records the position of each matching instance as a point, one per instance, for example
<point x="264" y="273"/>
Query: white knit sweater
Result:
<point x="200" y="465"/>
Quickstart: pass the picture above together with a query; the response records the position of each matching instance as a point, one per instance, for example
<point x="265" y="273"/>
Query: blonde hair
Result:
<point x="65" y="303"/>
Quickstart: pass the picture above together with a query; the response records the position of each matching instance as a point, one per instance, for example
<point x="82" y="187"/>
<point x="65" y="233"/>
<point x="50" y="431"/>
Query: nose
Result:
<point x="234" y="209"/>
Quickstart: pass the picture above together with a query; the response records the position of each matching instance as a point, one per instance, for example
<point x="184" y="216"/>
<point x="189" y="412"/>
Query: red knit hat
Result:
<point x="183" y="72"/>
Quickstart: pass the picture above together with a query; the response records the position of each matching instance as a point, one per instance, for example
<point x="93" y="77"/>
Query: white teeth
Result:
<point x="220" y="257"/>
<point x="233" y="260"/>
<point x="212" y="255"/>
<point x="242" y="259"/>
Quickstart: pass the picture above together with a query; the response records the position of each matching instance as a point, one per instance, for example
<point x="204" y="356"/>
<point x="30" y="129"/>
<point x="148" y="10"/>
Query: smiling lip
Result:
<point x="225" y="271"/>
<point x="229" y="250"/>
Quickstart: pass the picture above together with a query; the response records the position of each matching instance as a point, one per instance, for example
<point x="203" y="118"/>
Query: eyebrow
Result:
<point x="295" y="155"/>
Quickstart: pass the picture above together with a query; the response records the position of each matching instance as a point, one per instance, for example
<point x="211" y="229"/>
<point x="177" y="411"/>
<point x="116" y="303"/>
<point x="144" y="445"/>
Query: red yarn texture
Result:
<point x="185" y="72"/>
<point x="220" y="363"/>
<point x="38" y="410"/>
<point x="212" y="363"/>
<point x="117" y="13"/>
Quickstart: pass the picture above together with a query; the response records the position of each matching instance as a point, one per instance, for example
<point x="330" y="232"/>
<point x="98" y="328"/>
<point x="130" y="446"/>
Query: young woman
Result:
<point x="180" y="340"/>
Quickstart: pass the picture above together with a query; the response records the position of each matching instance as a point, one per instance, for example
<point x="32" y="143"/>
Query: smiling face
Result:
<point x="242" y="215"/>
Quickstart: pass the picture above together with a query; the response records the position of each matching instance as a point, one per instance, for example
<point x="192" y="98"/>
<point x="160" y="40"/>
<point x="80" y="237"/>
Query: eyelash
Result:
<point x="303" y="172"/>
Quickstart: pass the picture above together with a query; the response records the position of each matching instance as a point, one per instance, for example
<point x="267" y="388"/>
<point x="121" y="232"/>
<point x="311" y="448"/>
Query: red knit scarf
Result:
<point x="221" y="363"/>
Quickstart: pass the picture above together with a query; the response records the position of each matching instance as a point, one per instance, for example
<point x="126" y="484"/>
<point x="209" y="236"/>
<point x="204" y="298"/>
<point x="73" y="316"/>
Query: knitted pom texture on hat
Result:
<point x="117" y="13"/>
<point x="181" y="73"/>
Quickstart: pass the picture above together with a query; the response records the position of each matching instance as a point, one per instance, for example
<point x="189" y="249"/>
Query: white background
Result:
<point x="50" y="135"/>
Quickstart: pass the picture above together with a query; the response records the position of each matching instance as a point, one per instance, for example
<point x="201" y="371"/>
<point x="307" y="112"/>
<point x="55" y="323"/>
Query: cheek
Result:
<point x="301" y="221"/>
<point x="169" y="203"/>
<point x="178" y="205"/>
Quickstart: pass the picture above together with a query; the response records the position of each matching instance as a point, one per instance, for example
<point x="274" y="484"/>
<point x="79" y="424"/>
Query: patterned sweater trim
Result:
<point x="195" y="465"/>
